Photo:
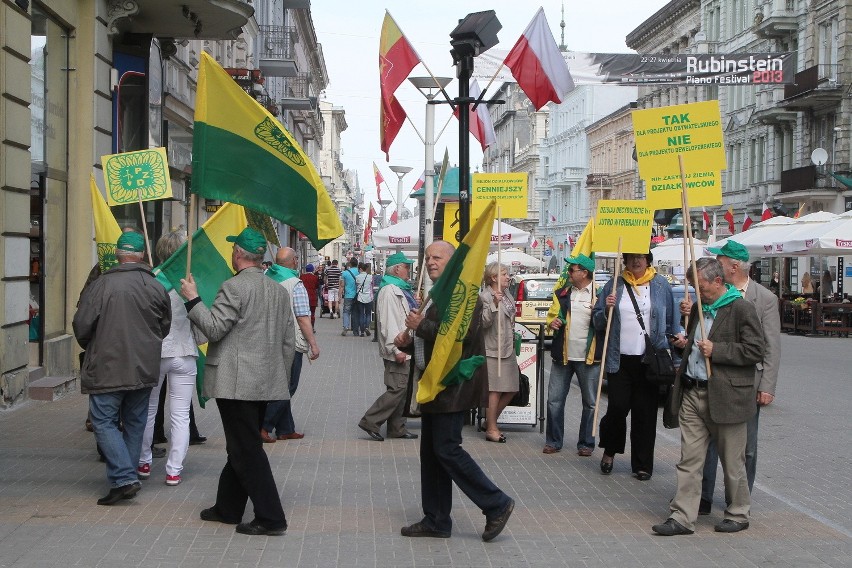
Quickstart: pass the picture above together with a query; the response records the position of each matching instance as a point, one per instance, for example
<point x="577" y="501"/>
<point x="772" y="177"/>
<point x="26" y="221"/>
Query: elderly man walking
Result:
<point x="395" y="300"/>
<point x="252" y="344"/>
<point x="715" y="405"/>
<point x="121" y="321"/>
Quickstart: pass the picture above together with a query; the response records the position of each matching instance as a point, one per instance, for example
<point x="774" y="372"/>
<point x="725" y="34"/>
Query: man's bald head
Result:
<point x="286" y="256"/>
<point x="436" y="257"/>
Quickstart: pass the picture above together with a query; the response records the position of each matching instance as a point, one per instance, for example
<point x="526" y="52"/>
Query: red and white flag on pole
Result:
<point x="729" y="217"/>
<point x="706" y="218"/>
<point x="535" y="243"/>
<point x="368" y="228"/>
<point x="537" y="64"/>
<point x="379" y="181"/>
<point x="766" y="214"/>
<point x="480" y="120"/>
<point x="419" y="183"/>
<point x="746" y="222"/>
<point x="394" y="218"/>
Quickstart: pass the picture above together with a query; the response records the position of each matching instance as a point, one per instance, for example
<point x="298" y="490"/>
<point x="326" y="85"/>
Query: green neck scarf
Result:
<point x="729" y="296"/>
<point x="391" y="279"/>
<point x="281" y="273"/>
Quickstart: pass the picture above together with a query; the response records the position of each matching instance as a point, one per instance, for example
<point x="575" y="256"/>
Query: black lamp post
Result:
<point x="475" y="34"/>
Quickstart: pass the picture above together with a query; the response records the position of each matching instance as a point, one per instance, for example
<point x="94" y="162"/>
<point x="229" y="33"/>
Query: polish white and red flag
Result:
<point x="537" y="64"/>
<point x="766" y="214"/>
<point x="535" y="243"/>
<point x="746" y="222"/>
<point x="706" y="219"/>
<point x="480" y="119"/>
<point x="419" y="183"/>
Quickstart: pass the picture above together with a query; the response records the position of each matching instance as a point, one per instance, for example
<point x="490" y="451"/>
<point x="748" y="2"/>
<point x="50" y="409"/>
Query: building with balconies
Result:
<point x="613" y="173"/>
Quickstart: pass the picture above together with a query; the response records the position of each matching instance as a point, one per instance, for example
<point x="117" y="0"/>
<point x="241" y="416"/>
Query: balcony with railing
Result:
<point x="190" y="19"/>
<point x="767" y="109"/>
<point x="277" y="50"/>
<point x="815" y="87"/>
<point x="296" y="94"/>
<point x="812" y="180"/>
<point x="777" y="19"/>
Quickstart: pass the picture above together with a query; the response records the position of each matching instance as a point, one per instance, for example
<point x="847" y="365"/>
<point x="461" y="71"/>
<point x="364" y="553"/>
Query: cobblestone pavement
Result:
<point x="346" y="496"/>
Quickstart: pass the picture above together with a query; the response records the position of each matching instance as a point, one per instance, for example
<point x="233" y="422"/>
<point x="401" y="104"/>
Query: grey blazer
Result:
<point x="737" y="347"/>
<point x="766" y="305"/>
<point x="252" y="339"/>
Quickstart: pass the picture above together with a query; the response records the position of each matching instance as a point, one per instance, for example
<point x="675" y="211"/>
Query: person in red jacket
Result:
<point x="312" y="285"/>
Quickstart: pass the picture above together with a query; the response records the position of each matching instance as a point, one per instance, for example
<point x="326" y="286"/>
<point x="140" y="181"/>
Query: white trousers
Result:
<point x="181" y="372"/>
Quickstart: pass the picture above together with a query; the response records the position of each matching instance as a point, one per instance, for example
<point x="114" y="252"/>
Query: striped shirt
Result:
<point x="332" y="277"/>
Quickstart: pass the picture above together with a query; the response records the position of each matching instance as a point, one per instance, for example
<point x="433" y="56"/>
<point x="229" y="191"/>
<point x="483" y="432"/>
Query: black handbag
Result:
<point x="659" y="367"/>
<point x="522" y="397"/>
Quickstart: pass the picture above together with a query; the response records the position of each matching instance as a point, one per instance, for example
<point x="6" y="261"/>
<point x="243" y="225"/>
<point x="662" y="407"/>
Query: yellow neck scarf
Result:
<point x="650" y="272"/>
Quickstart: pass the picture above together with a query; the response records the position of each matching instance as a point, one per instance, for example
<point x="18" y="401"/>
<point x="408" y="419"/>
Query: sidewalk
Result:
<point x="346" y="497"/>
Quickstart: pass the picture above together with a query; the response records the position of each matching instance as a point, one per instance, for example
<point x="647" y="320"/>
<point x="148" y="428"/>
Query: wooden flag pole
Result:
<point x="423" y="268"/>
<point x="144" y="226"/>
<point x="687" y="225"/>
<point x="499" y="290"/>
<point x="606" y="340"/>
<point x="189" y="232"/>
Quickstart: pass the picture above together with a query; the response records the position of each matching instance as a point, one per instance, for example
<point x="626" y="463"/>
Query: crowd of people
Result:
<point x="724" y="347"/>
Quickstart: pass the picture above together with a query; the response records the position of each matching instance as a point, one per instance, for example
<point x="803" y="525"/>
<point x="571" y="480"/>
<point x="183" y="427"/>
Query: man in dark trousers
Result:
<point x="252" y="344"/>
<point x="442" y="458"/>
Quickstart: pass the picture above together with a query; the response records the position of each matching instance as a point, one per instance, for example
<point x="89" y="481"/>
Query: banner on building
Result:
<point x="137" y="176"/>
<point x="729" y="69"/>
<point x="509" y="190"/>
<point x="693" y="130"/>
<point x="629" y="219"/>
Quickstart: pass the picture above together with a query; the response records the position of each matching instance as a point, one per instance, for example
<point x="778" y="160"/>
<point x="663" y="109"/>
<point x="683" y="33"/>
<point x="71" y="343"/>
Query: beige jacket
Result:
<point x="391" y="309"/>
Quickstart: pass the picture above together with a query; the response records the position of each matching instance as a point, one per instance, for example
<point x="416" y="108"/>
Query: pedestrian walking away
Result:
<point x="252" y="344"/>
<point x="349" y="292"/>
<point x="121" y="321"/>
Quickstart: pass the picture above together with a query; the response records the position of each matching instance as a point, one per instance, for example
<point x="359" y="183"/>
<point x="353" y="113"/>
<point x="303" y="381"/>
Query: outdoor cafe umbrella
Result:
<point x="406" y="235"/>
<point x="515" y="257"/>
<point x="759" y="239"/>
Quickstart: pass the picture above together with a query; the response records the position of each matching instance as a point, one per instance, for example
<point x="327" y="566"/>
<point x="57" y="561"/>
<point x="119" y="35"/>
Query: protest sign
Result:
<point x="629" y="219"/>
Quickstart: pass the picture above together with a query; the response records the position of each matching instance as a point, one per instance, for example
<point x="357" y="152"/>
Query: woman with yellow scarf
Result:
<point x="629" y="392"/>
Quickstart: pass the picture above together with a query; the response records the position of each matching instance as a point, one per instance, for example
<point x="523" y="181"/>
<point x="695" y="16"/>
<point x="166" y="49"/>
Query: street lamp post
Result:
<point x="400" y="172"/>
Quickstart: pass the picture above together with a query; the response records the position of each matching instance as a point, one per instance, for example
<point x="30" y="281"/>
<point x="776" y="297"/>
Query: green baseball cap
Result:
<point x="397" y="258"/>
<point x="731" y="249"/>
<point x="249" y="240"/>
<point x="583" y="261"/>
<point x="130" y="242"/>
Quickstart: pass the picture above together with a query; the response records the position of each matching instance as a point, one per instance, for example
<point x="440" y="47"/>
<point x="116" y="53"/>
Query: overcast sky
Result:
<point x="349" y="34"/>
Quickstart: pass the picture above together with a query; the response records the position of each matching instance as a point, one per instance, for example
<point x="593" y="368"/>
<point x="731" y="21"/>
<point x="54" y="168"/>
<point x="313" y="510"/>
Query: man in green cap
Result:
<point x="121" y="321"/>
<point x="394" y="301"/>
<point x="573" y="353"/>
<point x="734" y="258"/>
<point x="252" y="343"/>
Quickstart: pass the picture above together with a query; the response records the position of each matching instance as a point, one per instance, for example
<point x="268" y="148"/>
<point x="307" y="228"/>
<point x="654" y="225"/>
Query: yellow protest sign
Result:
<point x="509" y="190"/>
<point x="693" y="130"/>
<point x="702" y="188"/>
<point x="451" y="223"/>
<point x="134" y="176"/>
<point x="629" y="219"/>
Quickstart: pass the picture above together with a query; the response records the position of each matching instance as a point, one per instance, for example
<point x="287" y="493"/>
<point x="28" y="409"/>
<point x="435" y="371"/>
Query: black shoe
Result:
<point x="408" y="436"/>
<point x="197" y="440"/>
<point x="704" y="507"/>
<point x="158" y="452"/>
<point x="729" y="526"/>
<point x="116" y="494"/>
<point x="642" y="475"/>
<point x="671" y="528"/>
<point x="606" y="468"/>
<point x="373" y="435"/>
<point x="495" y="526"/>
<point x="213" y="516"/>
<point x="255" y="528"/>
<point x="422" y="529"/>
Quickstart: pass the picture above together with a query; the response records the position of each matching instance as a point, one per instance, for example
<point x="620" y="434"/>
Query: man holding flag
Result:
<point x="449" y="348"/>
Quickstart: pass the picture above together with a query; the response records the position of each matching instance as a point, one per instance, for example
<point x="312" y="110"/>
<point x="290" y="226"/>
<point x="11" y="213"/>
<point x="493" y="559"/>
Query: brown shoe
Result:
<point x="267" y="439"/>
<point x="549" y="450"/>
<point x="585" y="452"/>
<point x="293" y="436"/>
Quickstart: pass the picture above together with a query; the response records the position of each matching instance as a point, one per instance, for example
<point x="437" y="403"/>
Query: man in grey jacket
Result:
<point x="394" y="301"/>
<point x="121" y="321"/>
<point x="252" y="344"/>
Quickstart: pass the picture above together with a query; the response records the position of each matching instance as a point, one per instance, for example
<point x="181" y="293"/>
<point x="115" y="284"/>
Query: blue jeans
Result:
<point x="347" y="312"/>
<point x="279" y="413"/>
<point x="557" y="392"/>
<point x="364" y="311"/>
<point x="444" y="461"/>
<point x="121" y="449"/>
<point x="708" y="484"/>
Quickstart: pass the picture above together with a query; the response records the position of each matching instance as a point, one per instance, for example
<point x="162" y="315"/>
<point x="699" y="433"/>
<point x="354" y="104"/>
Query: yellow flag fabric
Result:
<point x="584" y="243"/>
<point x="107" y="230"/>
<point x="455" y="295"/>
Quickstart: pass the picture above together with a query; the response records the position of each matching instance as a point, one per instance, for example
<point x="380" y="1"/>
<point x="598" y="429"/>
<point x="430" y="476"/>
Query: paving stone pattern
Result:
<point x="346" y="497"/>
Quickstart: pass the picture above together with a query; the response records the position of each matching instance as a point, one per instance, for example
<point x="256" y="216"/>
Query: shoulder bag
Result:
<point x="659" y="367"/>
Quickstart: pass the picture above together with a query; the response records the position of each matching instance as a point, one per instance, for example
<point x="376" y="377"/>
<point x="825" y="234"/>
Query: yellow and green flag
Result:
<point x="455" y="295"/>
<point x="242" y="154"/>
<point x="107" y="230"/>
<point x="211" y="265"/>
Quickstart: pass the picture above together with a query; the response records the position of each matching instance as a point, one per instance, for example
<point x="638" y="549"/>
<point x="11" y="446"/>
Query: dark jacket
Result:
<point x="738" y="346"/>
<point x="469" y="394"/>
<point x="121" y="321"/>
